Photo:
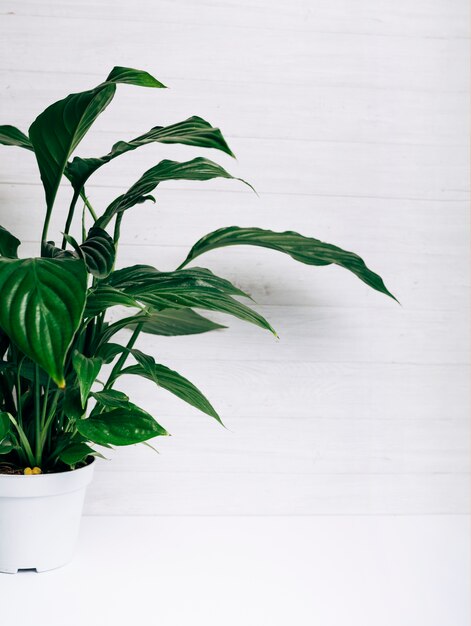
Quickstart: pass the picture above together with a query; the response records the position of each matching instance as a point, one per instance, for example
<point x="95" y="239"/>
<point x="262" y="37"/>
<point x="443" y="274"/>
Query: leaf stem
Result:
<point x="116" y="236"/>
<point x="45" y="229"/>
<point x="70" y="217"/>
<point x="37" y="413"/>
<point x="88" y="205"/>
<point x="19" y="408"/>
<point x="46" y="394"/>
<point x="50" y="417"/>
<point x="122" y="359"/>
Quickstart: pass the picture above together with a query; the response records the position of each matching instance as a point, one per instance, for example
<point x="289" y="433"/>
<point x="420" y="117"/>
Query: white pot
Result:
<point x="40" y="518"/>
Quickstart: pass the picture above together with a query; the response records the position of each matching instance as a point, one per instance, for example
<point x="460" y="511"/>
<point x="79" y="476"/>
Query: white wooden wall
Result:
<point x="350" y="118"/>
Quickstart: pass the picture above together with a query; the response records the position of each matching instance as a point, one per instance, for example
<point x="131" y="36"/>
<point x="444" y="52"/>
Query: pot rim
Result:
<point x="61" y="473"/>
<point x="41" y="485"/>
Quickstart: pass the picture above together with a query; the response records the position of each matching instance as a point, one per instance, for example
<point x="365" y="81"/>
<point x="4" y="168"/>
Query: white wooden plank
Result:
<point x="240" y="390"/>
<point x="414" y="64"/>
<point x="304" y="446"/>
<point x="388" y="235"/>
<point x="335" y="17"/>
<point x="360" y="170"/>
<point x="144" y="493"/>
<point x="338" y="113"/>
<point x="405" y="228"/>
<point x="332" y="335"/>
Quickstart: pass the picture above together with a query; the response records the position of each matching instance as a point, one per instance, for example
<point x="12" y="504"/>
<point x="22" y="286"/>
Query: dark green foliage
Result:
<point x="55" y="337"/>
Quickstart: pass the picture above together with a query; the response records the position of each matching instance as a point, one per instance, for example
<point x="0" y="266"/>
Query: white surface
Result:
<point x="351" y="120"/>
<point x="331" y="571"/>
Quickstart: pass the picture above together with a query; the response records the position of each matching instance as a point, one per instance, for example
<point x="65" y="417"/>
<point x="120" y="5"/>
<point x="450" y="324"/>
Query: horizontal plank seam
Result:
<point x="160" y="472"/>
<point x="245" y="82"/>
<point x="275" y="515"/>
<point x="463" y="145"/>
<point x="262" y="193"/>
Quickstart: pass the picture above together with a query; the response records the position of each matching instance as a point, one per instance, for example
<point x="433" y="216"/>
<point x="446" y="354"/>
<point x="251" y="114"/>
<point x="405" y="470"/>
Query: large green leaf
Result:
<point x="117" y="290"/>
<point x="87" y="369"/>
<point x="173" y="322"/>
<point x="304" y="249"/>
<point x="147" y="275"/>
<point x="98" y="251"/>
<point x="42" y="305"/>
<point x="104" y="297"/>
<point x="192" y="132"/>
<point x="8" y="244"/>
<point x="120" y="427"/>
<point x="12" y="136"/>
<point x="197" y="169"/>
<point x="58" y="130"/>
<point x="130" y="76"/>
<point x="198" y="288"/>
<point x="171" y="381"/>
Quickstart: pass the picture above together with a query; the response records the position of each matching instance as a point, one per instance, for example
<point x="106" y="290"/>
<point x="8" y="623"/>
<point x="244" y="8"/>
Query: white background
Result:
<point x="337" y="495"/>
<point x="350" y="120"/>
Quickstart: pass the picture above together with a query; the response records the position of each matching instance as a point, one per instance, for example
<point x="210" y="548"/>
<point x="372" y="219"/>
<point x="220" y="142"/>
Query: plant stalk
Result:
<point x="88" y="205"/>
<point x="50" y="417"/>
<point x="37" y="413"/>
<point x="122" y="359"/>
<point x="70" y="217"/>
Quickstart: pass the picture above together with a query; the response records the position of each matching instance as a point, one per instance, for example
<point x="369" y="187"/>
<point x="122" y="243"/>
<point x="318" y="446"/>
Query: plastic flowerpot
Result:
<point x="40" y="518"/>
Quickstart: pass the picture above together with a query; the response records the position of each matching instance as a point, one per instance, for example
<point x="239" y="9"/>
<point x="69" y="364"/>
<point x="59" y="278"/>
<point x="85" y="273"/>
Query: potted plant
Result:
<point x="55" y="335"/>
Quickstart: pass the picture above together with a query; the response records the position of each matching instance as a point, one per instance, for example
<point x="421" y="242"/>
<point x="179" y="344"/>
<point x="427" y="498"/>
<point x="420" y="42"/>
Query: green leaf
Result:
<point x="130" y="76"/>
<point x="87" y="370"/>
<point x="11" y="136"/>
<point x="304" y="249"/>
<point x="72" y="405"/>
<point x="198" y="288"/>
<point x="197" y="169"/>
<point x="109" y="351"/>
<point x="111" y="398"/>
<point x="171" y="381"/>
<point x="51" y="251"/>
<point x="5" y="425"/>
<point x="104" y="297"/>
<point x="120" y="427"/>
<point x="98" y="251"/>
<point x="8" y="244"/>
<point x="173" y="322"/>
<point x="108" y="331"/>
<point x="75" y="453"/>
<point x="129" y="277"/>
<point x="28" y="371"/>
<point x="58" y="130"/>
<point x="42" y="305"/>
<point x="192" y="132"/>
<point x="6" y="446"/>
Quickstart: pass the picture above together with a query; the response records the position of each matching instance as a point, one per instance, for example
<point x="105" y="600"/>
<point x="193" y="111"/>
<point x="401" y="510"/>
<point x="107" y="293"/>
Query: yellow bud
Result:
<point x="27" y="471"/>
<point x="36" y="470"/>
